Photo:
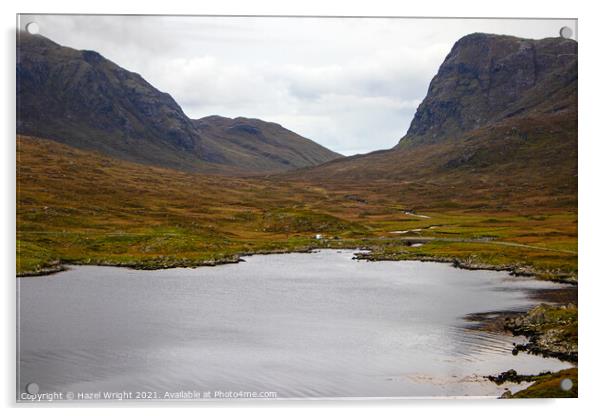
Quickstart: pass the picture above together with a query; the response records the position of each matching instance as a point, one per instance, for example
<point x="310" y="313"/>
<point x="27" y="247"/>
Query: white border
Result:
<point x="590" y="159"/>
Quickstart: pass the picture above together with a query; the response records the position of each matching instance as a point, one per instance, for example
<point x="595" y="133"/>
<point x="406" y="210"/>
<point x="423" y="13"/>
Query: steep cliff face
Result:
<point x="487" y="78"/>
<point x="84" y="100"/>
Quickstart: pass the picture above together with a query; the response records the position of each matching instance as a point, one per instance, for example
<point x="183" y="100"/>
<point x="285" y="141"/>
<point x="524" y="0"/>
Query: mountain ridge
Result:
<point x="81" y="99"/>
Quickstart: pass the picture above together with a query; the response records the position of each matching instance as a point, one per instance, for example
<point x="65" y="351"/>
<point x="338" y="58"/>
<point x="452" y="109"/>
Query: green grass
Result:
<point x="549" y="387"/>
<point x="33" y="258"/>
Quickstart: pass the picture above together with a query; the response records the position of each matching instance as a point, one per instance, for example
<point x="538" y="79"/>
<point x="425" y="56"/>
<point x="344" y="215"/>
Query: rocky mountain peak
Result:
<point x="488" y="77"/>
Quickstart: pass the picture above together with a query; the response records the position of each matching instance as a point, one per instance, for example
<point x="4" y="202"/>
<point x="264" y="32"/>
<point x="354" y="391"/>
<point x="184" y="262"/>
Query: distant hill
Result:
<point x="261" y="145"/>
<point x="499" y="121"/>
<point x="84" y="100"/>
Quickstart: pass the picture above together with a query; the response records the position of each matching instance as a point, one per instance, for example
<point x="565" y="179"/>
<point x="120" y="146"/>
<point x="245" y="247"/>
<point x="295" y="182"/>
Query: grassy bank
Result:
<point x="549" y="386"/>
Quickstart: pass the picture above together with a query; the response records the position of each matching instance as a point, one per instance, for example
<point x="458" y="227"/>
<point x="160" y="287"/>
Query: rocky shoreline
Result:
<point x="562" y="384"/>
<point x="551" y="331"/>
<point x="469" y="264"/>
<point x="511" y="376"/>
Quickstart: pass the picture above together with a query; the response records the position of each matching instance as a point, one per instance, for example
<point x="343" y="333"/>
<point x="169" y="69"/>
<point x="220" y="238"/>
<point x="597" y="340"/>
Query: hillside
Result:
<point x="498" y="126"/>
<point x="84" y="100"/>
<point x="262" y="145"/>
<point x="76" y="206"/>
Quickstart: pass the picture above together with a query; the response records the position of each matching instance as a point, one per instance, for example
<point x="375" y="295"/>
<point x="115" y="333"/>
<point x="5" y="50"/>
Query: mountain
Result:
<point x="488" y="78"/>
<point x="81" y="99"/>
<point x="499" y="121"/>
<point x="262" y="145"/>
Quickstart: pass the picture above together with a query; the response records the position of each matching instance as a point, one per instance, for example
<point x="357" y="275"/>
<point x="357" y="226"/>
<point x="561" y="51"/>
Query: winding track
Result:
<point x="481" y="241"/>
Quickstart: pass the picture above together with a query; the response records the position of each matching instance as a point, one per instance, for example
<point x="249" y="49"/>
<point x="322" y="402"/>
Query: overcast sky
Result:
<point x="352" y="85"/>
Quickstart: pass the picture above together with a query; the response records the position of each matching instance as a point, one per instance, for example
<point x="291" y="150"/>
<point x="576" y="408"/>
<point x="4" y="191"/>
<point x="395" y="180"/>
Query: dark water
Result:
<point x="299" y="325"/>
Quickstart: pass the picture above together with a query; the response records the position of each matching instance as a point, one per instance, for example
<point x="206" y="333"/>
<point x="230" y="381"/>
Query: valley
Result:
<point x="78" y="207"/>
<point x="111" y="172"/>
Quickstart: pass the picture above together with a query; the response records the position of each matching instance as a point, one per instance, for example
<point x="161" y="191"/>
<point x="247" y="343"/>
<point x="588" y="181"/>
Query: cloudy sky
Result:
<point x="352" y="84"/>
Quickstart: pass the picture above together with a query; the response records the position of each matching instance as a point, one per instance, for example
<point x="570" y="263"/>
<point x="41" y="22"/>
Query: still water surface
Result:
<point x="299" y="325"/>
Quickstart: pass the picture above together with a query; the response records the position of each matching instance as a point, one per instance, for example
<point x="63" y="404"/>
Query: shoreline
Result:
<point x="161" y="263"/>
<point x="513" y="269"/>
<point x="550" y="331"/>
<point x="156" y="265"/>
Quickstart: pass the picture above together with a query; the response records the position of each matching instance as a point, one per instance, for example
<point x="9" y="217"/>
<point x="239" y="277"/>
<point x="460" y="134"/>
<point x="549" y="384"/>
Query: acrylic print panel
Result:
<point x="390" y="205"/>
